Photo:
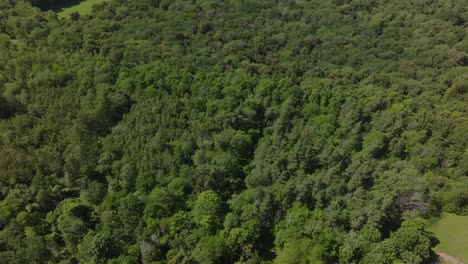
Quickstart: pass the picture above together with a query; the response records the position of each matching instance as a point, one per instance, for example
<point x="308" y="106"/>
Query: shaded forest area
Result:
<point x="237" y="131"/>
<point x="54" y="4"/>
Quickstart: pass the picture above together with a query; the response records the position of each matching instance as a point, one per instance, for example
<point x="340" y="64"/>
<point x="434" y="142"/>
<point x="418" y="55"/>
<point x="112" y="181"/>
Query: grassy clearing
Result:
<point x="84" y="8"/>
<point x="452" y="231"/>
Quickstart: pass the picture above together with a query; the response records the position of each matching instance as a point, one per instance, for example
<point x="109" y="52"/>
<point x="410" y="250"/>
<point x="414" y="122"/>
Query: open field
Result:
<point x="452" y="231"/>
<point x="85" y="7"/>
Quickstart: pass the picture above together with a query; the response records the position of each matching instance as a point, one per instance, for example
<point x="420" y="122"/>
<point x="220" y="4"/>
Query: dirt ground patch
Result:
<point x="447" y="259"/>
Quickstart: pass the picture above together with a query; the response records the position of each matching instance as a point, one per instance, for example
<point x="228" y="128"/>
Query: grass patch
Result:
<point x="452" y="231"/>
<point x="83" y="8"/>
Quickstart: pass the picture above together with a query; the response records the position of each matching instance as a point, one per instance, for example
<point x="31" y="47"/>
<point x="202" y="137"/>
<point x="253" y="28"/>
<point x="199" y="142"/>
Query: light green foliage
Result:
<point x="177" y="187"/>
<point x="207" y="210"/>
<point x="83" y="8"/>
<point x="36" y="248"/>
<point x="11" y="204"/>
<point x="301" y="251"/>
<point x="411" y="243"/>
<point x="302" y="237"/>
<point x="452" y="232"/>
<point x="374" y="143"/>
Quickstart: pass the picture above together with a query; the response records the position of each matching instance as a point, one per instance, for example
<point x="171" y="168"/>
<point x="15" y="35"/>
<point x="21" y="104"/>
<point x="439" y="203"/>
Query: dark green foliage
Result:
<point x="98" y="247"/>
<point x="54" y="4"/>
<point x="231" y="131"/>
<point x="210" y="250"/>
<point x="455" y="199"/>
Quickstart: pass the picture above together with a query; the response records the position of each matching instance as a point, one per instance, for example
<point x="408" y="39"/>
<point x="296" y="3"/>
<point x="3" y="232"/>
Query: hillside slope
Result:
<point x="231" y="131"/>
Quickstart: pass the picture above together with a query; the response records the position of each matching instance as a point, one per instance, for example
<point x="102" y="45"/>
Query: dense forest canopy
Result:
<point x="237" y="131"/>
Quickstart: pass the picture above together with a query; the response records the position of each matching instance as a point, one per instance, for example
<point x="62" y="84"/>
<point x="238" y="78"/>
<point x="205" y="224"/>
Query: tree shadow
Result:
<point x="55" y="5"/>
